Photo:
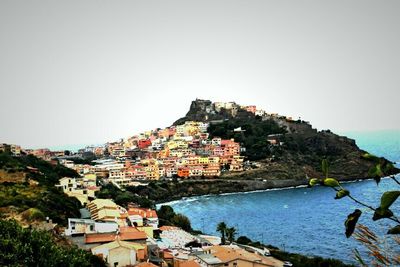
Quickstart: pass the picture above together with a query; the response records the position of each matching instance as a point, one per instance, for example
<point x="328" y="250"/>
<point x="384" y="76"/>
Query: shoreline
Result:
<point x="186" y="198"/>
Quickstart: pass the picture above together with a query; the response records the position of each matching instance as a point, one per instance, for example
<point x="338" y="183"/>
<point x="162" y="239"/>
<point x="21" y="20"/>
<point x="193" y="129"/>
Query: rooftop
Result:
<point x="209" y="258"/>
<point x="108" y="237"/>
<point x="190" y="263"/>
<point x="146" y="264"/>
<point x="120" y="243"/>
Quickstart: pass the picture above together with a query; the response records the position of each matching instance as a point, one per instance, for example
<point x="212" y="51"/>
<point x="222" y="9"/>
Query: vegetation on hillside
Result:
<point x="28" y="247"/>
<point x="161" y="191"/>
<point x="125" y="197"/>
<point x="42" y="195"/>
<point x="253" y="137"/>
<point x="167" y="216"/>
<point x="45" y="173"/>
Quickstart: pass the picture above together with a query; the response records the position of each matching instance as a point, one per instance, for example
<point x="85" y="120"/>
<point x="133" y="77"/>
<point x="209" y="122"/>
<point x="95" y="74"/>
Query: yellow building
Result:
<point x="181" y="144"/>
<point x="151" y="168"/>
<point x="149" y="230"/>
<point x="107" y="210"/>
<point x="121" y="253"/>
<point x="82" y="189"/>
<point x="214" y="160"/>
<point x="172" y="145"/>
<point x="203" y="160"/>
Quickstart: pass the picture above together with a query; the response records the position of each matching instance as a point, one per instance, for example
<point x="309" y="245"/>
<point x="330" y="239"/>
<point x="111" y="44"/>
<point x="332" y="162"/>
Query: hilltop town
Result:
<point x="179" y="151"/>
<point x="124" y="236"/>
<point x="109" y="190"/>
<point x="220" y="140"/>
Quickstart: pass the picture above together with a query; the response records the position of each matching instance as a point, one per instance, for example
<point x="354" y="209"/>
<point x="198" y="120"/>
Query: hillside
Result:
<point x="27" y="191"/>
<point x="27" y="197"/>
<point x="285" y="150"/>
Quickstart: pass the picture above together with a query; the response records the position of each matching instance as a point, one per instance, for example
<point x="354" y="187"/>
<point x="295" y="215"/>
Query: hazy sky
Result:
<point x="75" y="72"/>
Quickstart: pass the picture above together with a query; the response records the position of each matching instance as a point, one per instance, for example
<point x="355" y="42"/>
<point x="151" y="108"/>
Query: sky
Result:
<point x="88" y="72"/>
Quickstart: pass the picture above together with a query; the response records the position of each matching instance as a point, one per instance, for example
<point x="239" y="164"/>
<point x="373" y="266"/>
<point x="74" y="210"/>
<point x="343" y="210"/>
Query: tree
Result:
<point x="182" y="221"/>
<point x="230" y="234"/>
<point x="244" y="240"/>
<point x="165" y="214"/>
<point x="221" y="227"/>
<point x="28" y="247"/>
<point x="381" y="168"/>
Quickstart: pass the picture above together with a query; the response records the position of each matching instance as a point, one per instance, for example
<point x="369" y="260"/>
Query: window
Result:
<point x="115" y="264"/>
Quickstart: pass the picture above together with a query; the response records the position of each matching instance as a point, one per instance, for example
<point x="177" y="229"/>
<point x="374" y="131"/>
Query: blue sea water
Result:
<point x="303" y="220"/>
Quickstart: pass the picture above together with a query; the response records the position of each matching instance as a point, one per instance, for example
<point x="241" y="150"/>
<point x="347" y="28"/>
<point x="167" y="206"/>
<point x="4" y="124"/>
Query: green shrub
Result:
<point x="33" y="214"/>
<point x="28" y="247"/>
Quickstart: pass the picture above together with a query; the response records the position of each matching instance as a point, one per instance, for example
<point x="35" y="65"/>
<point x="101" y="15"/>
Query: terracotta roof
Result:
<point x="119" y="243"/>
<point x="128" y="229"/>
<point x="99" y="238"/>
<point x="168" y="228"/>
<point x="145" y="213"/>
<point x="227" y="254"/>
<point x="189" y="264"/>
<point x="133" y="236"/>
<point x="131" y="233"/>
<point x="145" y="264"/>
<point x="103" y="238"/>
<point x="168" y="255"/>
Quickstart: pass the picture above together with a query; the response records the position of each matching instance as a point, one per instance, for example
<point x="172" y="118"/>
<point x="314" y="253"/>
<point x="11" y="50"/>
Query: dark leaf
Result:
<point x="382" y="213"/>
<point x="388" y="198"/>
<point x="351" y="222"/>
<point x="394" y="231"/>
<point x="342" y="193"/>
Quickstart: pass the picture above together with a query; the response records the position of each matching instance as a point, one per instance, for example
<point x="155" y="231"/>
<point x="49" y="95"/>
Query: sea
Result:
<point x="302" y="220"/>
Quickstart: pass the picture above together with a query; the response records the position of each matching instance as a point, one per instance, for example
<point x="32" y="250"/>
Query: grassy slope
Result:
<point x="29" y="195"/>
<point x="22" y="189"/>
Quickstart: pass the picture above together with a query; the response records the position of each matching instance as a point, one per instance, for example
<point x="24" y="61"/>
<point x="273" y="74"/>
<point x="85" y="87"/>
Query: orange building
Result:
<point x="183" y="172"/>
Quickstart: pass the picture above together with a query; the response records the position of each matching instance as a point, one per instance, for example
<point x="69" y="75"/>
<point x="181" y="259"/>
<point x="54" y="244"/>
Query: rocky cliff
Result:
<point x="282" y="149"/>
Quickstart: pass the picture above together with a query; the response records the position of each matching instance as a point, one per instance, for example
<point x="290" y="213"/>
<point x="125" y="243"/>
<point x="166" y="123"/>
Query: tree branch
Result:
<point x="393" y="218"/>
<point x="394" y="178"/>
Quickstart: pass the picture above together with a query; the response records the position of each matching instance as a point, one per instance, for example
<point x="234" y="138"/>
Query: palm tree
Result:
<point x="221" y="227"/>
<point x="230" y="234"/>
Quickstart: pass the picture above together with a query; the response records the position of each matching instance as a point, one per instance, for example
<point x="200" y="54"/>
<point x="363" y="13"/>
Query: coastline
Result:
<point x="174" y="200"/>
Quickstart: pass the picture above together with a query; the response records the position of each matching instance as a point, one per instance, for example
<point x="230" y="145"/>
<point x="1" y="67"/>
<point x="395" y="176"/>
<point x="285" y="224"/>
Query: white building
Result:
<point x="85" y="226"/>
